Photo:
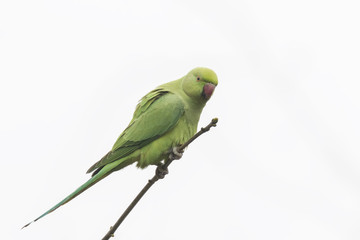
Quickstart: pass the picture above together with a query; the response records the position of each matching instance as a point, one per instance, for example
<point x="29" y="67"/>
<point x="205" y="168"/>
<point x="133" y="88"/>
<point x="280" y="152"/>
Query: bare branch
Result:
<point x="158" y="175"/>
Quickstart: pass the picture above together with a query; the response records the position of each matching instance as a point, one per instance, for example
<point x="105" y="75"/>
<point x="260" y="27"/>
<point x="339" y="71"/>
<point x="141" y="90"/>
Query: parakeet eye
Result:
<point x="198" y="79"/>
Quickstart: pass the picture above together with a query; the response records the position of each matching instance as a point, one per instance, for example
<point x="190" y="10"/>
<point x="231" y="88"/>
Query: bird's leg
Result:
<point x="161" y="171"/>
<point x="175" y="153"/>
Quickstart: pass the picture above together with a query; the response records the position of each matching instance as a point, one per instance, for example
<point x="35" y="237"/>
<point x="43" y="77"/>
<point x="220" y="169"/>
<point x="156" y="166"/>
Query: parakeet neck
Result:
<point x="193" y="107"/>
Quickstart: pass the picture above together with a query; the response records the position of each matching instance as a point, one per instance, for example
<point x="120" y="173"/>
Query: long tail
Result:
<point x="100" y="175"/>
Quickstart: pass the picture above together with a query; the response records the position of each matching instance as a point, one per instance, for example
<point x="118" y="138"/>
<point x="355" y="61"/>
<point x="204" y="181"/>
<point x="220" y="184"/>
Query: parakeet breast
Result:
<point x="159" y="149"/>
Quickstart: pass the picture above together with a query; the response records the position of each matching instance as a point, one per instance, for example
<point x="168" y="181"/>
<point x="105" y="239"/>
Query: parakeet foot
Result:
<point x="176" y="154"/>
<point x="161" y="171"/>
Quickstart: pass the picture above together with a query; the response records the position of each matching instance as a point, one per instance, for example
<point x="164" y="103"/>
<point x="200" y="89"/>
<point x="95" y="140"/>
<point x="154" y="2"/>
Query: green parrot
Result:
<point x="163" y="119"/>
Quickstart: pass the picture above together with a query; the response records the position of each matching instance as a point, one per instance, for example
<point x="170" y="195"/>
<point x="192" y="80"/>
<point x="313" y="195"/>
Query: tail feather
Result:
<point x="96" y="178"/>
<point x="102" y="173"/>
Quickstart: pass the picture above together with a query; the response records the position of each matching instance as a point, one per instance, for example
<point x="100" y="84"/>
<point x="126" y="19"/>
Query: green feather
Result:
<point x="78" y="191"/>
<point x="138" y="134"/>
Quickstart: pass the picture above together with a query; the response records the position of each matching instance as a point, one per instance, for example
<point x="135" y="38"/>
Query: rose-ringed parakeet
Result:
<point x="164" y="118"/>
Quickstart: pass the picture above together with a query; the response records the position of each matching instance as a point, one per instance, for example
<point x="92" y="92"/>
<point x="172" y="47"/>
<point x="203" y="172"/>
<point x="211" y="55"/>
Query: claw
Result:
<point x="175" y="154"/>
<point x="161" y="171"/>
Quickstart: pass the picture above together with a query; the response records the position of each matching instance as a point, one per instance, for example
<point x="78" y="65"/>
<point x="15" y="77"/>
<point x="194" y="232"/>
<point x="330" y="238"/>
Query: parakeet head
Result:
<point x="200" y="83"/>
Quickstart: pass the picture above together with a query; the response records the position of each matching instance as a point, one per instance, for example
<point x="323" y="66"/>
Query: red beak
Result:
<point x="208" y="90"/>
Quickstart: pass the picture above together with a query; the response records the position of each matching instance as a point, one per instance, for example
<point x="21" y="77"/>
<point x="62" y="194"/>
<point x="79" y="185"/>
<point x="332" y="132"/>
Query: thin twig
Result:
<point x="156" y="177"/>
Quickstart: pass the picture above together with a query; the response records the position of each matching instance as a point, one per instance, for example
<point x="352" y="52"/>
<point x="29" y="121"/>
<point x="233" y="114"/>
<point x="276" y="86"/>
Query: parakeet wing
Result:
<point x="157" y="113"/>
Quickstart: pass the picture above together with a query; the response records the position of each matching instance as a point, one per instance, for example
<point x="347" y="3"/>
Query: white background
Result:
<point x="283" y="162"/>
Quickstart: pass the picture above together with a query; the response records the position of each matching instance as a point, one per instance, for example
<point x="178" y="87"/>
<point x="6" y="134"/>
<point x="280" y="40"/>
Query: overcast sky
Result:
<point x="283" y="162"/>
